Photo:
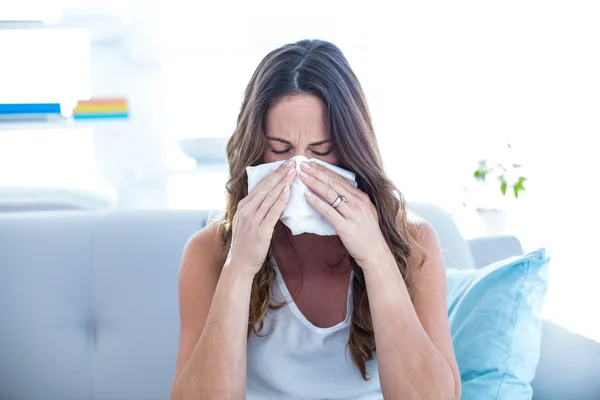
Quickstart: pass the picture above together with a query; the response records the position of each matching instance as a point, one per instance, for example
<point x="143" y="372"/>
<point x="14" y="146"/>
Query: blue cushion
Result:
<point x="495" y="320"/>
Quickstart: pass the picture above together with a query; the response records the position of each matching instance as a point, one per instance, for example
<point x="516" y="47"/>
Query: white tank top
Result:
<point x="294" y="359"/>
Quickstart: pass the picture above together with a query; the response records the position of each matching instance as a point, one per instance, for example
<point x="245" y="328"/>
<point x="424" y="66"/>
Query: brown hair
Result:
<point x="318" y="68"/>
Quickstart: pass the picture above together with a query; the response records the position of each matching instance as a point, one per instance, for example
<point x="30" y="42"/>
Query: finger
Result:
<point x="343" y="207"/>
<point x="276" y="209"/>
<point x="274" y="194"/>
<point x="258" y="194"/>
<point x="331" y="179"/>
<point x="329" y="191"/>
<point x="336" y="219"/>
<point x="318" y="187"/>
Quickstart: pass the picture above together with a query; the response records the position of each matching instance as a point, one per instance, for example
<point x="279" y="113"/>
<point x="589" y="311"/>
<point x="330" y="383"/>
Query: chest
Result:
<point x="321" y="299"/>
<point x="292" y="358"/>
<point x="290" y="362"/>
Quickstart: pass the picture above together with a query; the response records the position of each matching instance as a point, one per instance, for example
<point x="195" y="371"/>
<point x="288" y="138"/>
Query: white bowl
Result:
<point x="205" y="150"/>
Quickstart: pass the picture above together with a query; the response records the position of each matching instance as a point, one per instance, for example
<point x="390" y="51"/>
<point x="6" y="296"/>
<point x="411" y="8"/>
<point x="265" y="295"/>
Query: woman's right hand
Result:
<point x="255" y="219"/>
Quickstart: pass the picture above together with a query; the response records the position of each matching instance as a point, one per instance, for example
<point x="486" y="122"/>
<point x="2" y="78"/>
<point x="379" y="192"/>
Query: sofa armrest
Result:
<point x="487" y="250"/>
<point x="568" y="367"/>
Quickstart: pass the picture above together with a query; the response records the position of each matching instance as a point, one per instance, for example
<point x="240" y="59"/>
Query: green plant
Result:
<point x="507" y="174"/>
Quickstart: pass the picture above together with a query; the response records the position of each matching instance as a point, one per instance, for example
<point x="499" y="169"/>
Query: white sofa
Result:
<point x="88" y="305"/>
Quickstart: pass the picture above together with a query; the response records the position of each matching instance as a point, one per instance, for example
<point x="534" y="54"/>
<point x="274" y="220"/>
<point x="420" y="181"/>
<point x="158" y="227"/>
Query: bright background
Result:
<point x="448" y="83"/>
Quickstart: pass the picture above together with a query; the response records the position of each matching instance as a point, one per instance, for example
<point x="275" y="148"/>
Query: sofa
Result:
<point x="88" y="305"/>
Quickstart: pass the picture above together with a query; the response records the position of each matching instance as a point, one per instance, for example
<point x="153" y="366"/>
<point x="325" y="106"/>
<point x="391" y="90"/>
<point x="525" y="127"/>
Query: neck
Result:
<point x="308" y="251"/>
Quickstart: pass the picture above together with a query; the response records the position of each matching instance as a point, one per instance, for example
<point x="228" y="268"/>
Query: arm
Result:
<point x="414" y="348"/>
<point x="212" y="349"/>
<point x="212" y="352"/>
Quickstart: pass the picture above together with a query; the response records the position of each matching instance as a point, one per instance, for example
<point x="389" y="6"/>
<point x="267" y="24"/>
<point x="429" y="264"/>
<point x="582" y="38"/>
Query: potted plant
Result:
<point x="498" y="183"/>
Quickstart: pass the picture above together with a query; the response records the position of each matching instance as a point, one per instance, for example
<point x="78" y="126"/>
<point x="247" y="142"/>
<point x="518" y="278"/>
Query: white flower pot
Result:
<point x="494" y="221"/>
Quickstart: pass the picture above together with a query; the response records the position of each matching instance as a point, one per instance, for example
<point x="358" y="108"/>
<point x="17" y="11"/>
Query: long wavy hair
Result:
<point x="317" y="68"/>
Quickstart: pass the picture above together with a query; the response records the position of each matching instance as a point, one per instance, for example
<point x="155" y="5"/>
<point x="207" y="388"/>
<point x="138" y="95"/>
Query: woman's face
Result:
<point x="297" y="126"/>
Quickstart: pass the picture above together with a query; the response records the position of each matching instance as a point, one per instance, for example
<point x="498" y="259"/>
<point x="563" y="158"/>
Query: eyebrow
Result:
<point x="290" y="143"/>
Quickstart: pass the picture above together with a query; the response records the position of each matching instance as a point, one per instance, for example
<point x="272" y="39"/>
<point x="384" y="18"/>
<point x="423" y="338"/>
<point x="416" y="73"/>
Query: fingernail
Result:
<point x="289" y="162"/>
<point x="308" y="194"/>
<point x="291" y="171"/>
<point x="314" y="164"/>
<point x="305" y="165"/>
<point x="286" y="189"/>
<point x="304" y="174"/>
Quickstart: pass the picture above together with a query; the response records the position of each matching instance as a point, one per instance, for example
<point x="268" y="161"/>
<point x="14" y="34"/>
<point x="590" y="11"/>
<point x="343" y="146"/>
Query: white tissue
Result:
<point x="298" y="215"/>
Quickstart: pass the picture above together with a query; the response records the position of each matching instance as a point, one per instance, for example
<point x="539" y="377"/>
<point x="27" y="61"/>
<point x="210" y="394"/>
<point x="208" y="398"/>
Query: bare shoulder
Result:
<point x="204" y="245"/>
<point x="426" y="246"/>
<point x="200" y="264"/>
<point x="200" y="269"/>
<point x="419" y="229"/>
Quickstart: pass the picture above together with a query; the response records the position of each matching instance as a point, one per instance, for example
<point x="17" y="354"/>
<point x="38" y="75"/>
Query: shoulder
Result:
<point x="202" y="253"/>
<point x="201" y="268"/>
<point x="424" y="242"/>
<point x="420" y="229"/>
<point x="205" y="242"/>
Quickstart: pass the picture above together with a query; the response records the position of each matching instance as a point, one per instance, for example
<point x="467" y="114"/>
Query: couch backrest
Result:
<point x="88" y="304"/>
<point x="88" y="301"/>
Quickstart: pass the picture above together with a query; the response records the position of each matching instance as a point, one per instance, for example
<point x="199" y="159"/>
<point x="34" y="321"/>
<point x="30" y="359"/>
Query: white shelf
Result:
<point x="62" y="124"/>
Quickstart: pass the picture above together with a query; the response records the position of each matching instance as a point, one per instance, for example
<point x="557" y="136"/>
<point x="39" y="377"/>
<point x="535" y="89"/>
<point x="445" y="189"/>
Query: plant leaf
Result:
<point x="480" y="175"/>
<point x="503" y="187"/>
<point x="519" y="186"/>
<point x="516" y="165"/>
<point x="517" y="189"/>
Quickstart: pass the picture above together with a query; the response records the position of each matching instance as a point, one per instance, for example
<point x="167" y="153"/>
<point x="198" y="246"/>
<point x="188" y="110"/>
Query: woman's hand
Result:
<point x="355" y="220"/>
<point x="256" y="216"/>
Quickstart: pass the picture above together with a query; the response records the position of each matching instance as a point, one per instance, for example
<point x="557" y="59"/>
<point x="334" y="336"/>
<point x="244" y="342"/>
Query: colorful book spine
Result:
<point x="115" y="108"/>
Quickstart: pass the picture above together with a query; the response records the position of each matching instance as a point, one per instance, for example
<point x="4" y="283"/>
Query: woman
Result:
<point x="369" y="305"/>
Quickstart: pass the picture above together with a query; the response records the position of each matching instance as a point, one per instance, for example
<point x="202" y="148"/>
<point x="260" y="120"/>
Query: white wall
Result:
<point x="131" y="154"/>
<point x="447" y="85"/>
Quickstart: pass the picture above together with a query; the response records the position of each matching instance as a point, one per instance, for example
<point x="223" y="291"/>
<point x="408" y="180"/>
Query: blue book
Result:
<point x="29" y="109"/>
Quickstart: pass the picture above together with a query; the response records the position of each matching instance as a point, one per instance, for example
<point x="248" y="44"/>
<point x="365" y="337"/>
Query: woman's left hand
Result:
<point x="355" y="220"/>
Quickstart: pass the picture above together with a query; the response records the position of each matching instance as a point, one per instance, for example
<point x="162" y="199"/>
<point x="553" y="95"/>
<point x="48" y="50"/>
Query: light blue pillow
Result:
<point x="495" y="320"/>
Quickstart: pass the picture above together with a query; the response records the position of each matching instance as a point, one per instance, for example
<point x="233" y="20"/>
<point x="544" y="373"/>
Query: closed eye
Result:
<point x="280" y="151"/>
<point x="322" y="154"/>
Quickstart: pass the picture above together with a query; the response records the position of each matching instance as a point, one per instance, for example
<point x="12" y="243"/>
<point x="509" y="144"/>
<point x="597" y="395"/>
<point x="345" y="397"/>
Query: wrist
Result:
<point x="378" y="259"/>
<point x="238" y="271"/>
<point x="383" y="277"/>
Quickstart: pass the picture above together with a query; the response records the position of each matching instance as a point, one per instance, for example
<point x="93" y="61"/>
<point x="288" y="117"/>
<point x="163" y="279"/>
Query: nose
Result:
<point x="299" y="161"/>
<point x="302" y="153"/>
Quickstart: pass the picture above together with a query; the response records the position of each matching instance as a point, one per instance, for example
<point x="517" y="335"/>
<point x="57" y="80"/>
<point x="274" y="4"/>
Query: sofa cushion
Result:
<point x="495" y="321"/>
